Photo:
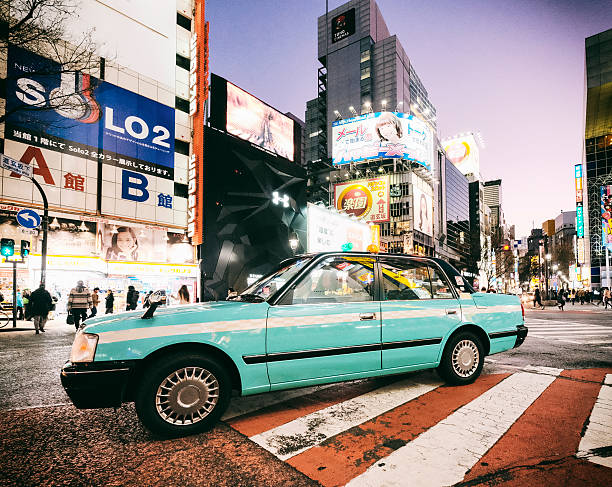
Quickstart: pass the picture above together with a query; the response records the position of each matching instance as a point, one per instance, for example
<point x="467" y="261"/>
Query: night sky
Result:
<point x="513" y="70"/>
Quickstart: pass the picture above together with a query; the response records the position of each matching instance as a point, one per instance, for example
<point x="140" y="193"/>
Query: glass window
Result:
<point x="405" y="279"/>
<point x="365" y="72"/>
<point x="365" y="56"/>
<point x="336" y="280"/>
<point x="269" y="284"/>
<point x="440" y="287"/>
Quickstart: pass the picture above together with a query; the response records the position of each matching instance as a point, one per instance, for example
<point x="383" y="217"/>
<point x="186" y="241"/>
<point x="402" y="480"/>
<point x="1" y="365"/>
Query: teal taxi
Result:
<point x="314" y="319"/>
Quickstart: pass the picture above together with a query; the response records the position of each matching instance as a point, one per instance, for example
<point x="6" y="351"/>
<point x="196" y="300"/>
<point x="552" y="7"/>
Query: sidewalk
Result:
<point x="58" y="323"/>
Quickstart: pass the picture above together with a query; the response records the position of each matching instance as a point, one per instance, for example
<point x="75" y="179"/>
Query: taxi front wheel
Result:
<point x="182" y="395"/>
<point x="462" y="359"/>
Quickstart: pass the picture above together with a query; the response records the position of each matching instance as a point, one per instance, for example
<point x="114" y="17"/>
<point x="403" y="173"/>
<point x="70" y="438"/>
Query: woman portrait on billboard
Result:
<point x="389" y="128"/>
<point x="124" y="245"/>
<point x="424" y="223"/>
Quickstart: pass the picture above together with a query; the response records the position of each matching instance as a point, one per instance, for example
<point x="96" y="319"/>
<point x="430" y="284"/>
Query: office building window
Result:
<point x="365" y="56"/>
<point x="183" y="21"/>
<point x="365" y="72"/>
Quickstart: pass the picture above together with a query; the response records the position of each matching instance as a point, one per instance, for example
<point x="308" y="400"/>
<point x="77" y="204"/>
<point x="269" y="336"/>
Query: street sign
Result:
<point x="16" y="166"/>
<point x="28" y="218"/>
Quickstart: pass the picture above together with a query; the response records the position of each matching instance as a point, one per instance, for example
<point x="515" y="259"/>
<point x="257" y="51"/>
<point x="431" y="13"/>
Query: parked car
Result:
<point x="314" y="319"/>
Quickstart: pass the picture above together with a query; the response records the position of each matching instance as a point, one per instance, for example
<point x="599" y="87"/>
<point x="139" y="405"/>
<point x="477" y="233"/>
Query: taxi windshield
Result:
<point x="265" y="287"/>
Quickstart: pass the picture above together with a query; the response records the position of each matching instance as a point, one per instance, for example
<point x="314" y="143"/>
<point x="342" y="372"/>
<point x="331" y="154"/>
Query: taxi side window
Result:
<point x="440" y="287"/>
<point x="336" y="280"/>
<point x="405" y="279"/>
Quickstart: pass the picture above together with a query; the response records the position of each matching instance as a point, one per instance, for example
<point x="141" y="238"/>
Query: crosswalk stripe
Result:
<point x="569" y="327"/>
<point x="443" y="454"/>
<point x="598" y="435"/>
<point x="572" y="332"/>
<point x="340" y="458"/>
<point x="291" y="438"/>
<point x="549" y="430"/>
<point x="284" y="412"/>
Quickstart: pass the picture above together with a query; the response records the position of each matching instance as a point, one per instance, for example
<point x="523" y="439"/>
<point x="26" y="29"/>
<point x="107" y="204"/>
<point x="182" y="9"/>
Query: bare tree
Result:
<point x="39" y="26"/>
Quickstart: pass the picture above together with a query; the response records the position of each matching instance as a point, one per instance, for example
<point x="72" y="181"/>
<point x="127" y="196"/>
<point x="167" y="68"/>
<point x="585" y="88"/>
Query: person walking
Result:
<point x="79" y="302"/>
<point x="537" y="298"/>
<point x="40" y="304"/>
<point x="560" y="300"/>
<point x="19" y="305"/>
<point x="573" y="296"/>
<point x="146" y="302"/>
<point x="95" y="301"/>
<point x="131" y="300"/>
<point x="109" y="301"/>
<point x="607" y="298"/>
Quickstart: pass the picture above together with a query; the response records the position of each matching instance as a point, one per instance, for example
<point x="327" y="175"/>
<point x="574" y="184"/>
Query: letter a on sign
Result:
<point x="134" y="186"/>
<point x="34" y="153"/>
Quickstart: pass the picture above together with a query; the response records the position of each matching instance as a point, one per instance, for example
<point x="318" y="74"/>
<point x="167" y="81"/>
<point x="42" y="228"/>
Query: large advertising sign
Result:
<point x="382" y="135"/>
<point x="578" y="178"/>
<point x="606" y="216"/>
<point x="77" y="114"/>
<point x="254" y="121"/>
<point x="423" y="211"/>
<point x="343" y="25"/>
<point x="463" y="152"/>
<point x="330" y="231"/>
<point x="366" y="199"/>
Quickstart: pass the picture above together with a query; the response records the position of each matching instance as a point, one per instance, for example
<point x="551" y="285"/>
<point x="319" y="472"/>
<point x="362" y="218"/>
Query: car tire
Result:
<point x="462" y="359"/>
<point x="182" y="394"/>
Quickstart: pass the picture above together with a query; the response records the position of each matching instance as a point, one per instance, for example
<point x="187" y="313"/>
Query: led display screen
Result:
<point x="382" y="135"/>
<point x="254" y="121"/>
<point x="606" y="216"/>
<point x="329" y="231"/>
<point x="366" y="199"/>
<point x="423" y="211"/>
<point x="463" y="152"/>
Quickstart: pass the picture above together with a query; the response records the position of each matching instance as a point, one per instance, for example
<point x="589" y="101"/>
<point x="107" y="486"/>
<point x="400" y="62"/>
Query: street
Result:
<point x="539" y="415"/>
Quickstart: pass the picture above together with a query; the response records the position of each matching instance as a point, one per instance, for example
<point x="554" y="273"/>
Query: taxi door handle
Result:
<point x="451" y="311"/>
<point x="367" y="316"/>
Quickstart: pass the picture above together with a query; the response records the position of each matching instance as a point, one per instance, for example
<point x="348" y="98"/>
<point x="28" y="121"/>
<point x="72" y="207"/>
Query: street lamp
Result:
<point x="293" y="242"/>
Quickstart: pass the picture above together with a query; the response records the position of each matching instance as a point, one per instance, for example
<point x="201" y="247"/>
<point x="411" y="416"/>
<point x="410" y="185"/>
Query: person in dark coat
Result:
<point x="110" y="301"/>
<point x="131" y="300"/>
<point x="40" y="305"/>
<point x="537" y="298"/>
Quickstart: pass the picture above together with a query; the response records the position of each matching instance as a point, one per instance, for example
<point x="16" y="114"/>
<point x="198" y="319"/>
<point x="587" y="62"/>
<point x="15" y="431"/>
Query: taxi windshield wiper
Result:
<point x="250" y="298"/>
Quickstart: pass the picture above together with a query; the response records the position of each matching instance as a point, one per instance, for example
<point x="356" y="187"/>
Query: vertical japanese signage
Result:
<point x="198" y="94"/>
<point x="606" y="216"/>
<point x="579" y="214"/>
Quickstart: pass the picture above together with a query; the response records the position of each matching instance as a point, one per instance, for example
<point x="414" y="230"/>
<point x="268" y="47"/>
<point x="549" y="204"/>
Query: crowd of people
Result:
<point x="582" y="296"/>
<point x="81" y="303"/>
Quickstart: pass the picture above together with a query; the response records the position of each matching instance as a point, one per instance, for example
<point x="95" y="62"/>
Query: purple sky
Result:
<point x="512" y="70"/>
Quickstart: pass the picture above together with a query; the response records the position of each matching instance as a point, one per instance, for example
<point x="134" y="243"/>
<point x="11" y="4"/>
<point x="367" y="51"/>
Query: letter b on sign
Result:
<point x="134" y="186"/>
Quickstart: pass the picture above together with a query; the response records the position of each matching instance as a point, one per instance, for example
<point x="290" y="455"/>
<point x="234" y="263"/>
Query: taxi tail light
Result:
<point x="523" y="310"/>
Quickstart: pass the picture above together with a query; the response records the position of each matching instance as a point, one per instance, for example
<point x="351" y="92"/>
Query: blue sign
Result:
<point x="28" y="218"/>
<point x="579" y="220"/>
<point x="96" y="119"/>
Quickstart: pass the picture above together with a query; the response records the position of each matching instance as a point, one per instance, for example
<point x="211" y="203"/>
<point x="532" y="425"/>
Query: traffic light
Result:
<point x="25" y="248"/>
<point x="506" y="247"/>
<point x="7" y="247"/>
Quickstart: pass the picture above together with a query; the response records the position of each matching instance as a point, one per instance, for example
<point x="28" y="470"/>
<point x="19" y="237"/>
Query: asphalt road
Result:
<point x="46" y="441"/>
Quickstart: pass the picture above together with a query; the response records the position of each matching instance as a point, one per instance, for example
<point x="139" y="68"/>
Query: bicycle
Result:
<point x="4" y="318"/>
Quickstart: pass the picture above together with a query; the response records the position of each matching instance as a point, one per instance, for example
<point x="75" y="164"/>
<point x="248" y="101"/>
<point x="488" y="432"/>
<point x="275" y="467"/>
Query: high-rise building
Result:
<point x="492" y="194"/>
<point x="598" y="145"/>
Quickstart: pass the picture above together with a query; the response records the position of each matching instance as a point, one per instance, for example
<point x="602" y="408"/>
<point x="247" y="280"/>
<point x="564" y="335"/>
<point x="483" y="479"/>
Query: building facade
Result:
<point x="114" y="165"/>
<point x="598" y="146"/>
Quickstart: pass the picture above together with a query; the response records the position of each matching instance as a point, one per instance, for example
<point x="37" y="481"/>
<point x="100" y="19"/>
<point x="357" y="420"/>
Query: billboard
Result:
<point x="254" y="121"/>
<point x="382" y="135"/>
<point x="366" y="199"/>
<point x="329" y="231"/>
<point x="423" y="211"/>
<point x="77" y="114"/>
<point x="463" y="152"/>
<point x="606" y="216"/>
<point x="343" y="25"/>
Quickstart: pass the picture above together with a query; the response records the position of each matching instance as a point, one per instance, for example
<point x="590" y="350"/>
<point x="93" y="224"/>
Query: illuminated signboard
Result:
<point x="606" y="216"/>
<point x="580" y="246"/>
<point x="366" y="199"/>
<point x="329" y="231"/>
<point x="382" y="135"/>
<point x="198" y="94"/>
<point x="578" y="179"/>
<point x="423" y="209"/>
<point x="463" y="152"/>
<point x="253" y="120"/>
<point x="343" y="25"/>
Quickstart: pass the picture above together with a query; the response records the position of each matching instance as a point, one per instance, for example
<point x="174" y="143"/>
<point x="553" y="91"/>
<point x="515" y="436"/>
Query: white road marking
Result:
<point x="288" y="440"/>
<point x="599" y="430"/>
<point x="574" y="332"/>
<point x="443" y="454"/>
<point x="248" y="404"/>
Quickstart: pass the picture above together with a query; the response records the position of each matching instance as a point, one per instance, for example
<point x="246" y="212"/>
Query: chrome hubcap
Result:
<point x="465" y="358"/>
<point x="187" y="396"/>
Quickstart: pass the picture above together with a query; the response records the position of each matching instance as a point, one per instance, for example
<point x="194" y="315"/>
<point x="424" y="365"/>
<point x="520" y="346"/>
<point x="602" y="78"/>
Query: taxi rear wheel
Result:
<point x="182" y="394"/>
<point x="462" y="359"/>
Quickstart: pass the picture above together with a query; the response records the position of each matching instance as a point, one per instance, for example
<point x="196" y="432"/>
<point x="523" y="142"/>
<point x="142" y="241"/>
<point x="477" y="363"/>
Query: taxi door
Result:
<point x="418" y="310"/>
<point x="327" y="324"/>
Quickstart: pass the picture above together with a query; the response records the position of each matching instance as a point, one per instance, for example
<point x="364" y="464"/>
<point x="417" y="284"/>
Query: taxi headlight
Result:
<point x="84" y="347"/>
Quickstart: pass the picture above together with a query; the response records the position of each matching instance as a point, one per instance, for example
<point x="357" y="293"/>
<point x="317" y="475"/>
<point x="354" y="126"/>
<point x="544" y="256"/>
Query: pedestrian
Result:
<point x="607" y="298"/>
<point x="131" y="300"/>
<point x="560" y="300"/>
<point x="573" y="296"/>
<point x="146" y="302"/>
<point x="183" y="295"/>
<point x="25" y="298"/>
<point x="95" y="300"/>
<point x="537" y="298"/>
<point x="79" y="302"/>
<point x="40" y="305"/>
<point x="580" y="296"/>
<point x="110" y="301"/>
<point x="19" y="305"/>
